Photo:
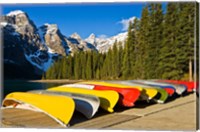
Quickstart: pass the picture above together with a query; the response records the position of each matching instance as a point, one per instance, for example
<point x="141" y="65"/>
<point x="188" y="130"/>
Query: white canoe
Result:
<point x="85" y="104"/>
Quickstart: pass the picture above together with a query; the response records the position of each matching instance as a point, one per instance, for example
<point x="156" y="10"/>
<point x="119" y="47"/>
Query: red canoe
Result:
<point x="127" y="96"/>
<point x="170" y="91"/>
<point x="191" y="86"/>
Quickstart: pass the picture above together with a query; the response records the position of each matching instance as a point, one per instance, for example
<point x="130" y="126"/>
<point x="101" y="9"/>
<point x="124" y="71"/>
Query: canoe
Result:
<point x="85" y="104"/>
<point x="191" y="86"/>
<point x="146" y="94"/>
<point x="159" y="99"/>
<point x="108" y="98"/>
<point x="178" y="88"/>
<point x="127" y="96"/>
<point x="59" y="108"/>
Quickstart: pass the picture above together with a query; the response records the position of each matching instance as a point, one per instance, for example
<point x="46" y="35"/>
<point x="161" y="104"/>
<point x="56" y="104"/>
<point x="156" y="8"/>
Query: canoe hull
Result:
<point x="108" y="99"/>
<point x="127" y="96"/>
<point x="87" y="105"/>
<point x="58" y="107"/>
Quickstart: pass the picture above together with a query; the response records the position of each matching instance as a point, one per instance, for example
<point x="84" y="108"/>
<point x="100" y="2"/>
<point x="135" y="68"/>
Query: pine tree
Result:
<point x="135" y="49"/>
<point x="114" y="60"/>
<point x="197" y="42"/>
<point x="70" y="67"/>
<point x="142" y="46"/>
<point x="64" y="68"/>
<point x="126" y="67"/>
<point x="77" y="68"/>
<point x="89" y="66"/>
<point x="155" y="39"/>
<point x="185" y="50"/>
<point x="168" y="61"/>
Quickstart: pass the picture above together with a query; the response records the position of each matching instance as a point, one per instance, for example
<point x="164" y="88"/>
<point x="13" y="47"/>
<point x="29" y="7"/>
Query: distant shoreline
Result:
<point x="46" y="81"/>
<point x="51" y="80"/>
<point x="56" y="81"/>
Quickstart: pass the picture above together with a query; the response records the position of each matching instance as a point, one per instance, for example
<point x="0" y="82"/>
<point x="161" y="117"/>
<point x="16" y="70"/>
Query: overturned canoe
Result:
<point x="178" y="88"/>
<point x="108" y="98"/>
<point x="159" y="99"/>
<point x="127" y="96"/>
<point x="59" y="108"/>
<point x="191" y="86"/>
<point x="146" y="94"/>
<point x="85" y="104"/>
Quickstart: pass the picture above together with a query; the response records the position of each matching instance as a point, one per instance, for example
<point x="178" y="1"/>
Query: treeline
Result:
<point x="89" y="65"/>
<point x="159" y="45"/>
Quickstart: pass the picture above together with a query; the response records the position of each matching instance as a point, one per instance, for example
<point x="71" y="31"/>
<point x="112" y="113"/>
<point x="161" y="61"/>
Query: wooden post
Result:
<point x="190" y="69"/>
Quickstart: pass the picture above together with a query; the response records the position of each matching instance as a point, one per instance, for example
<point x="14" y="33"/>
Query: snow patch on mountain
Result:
<point x="41" y="34"/>
<point x="14" y="13"/>
<point x="3" y="24"/>
<point x="43" y="65"/>
<point x="6" y="24"/>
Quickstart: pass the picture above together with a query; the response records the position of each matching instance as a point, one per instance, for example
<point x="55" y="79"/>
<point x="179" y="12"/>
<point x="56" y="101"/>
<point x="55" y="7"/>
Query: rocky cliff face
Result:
<point x="33" y="50"/>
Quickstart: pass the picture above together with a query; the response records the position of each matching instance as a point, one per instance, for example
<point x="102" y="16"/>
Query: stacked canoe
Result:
<point x="58" y="104"/>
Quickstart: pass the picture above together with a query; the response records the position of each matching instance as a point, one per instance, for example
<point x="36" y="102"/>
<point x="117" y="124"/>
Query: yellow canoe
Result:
<point x="60" y="108"/>
<point x="150" y="92"/>
<point x="108" y="98"/>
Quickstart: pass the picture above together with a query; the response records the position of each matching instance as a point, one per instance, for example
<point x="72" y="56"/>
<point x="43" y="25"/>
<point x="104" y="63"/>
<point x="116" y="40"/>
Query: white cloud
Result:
<point x="102" y="36"/>
<point x="125" y="23"/>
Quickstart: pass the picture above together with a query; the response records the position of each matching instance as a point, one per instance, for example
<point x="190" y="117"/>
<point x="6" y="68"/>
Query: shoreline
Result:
<point x="56" y="81"/>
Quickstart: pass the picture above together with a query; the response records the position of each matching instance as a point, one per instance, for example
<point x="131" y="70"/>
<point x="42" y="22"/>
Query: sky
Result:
<point x="104" y="20"/>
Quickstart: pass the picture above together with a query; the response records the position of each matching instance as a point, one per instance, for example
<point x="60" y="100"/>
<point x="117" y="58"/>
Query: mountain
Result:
<point x="104" y="44"/>
<point x="30" y="50"/>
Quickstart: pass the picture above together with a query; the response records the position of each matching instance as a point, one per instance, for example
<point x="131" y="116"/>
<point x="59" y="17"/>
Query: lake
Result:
<point x="23" y="86"/>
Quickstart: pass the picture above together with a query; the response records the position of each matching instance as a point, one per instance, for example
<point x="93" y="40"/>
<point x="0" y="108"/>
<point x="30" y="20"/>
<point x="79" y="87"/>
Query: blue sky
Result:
<point x="101" y="19"/>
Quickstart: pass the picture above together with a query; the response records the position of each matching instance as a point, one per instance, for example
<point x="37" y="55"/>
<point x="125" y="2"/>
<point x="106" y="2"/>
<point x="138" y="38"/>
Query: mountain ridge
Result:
<point x="40" y="47"/>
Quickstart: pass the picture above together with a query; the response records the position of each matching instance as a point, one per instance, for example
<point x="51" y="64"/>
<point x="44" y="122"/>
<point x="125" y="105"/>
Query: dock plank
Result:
<point x="104" y="121"/>
<point x="26" y="118"/>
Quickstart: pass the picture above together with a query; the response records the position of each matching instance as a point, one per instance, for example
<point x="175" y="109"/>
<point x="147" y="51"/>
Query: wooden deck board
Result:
<point x="27" y="118"/>
<point x="104" y="121"/>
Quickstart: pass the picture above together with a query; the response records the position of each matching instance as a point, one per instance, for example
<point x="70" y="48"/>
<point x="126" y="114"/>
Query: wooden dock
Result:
<point x="26" y="118"/>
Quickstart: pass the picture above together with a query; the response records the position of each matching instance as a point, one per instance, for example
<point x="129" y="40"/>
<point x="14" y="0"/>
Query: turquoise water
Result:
<point x="23" y="86"/>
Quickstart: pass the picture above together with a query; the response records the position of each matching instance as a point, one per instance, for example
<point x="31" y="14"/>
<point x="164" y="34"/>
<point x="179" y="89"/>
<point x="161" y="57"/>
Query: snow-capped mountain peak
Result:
<point x="16" y="12"/>
<point x="104" y="44"/>
<point x="75" y="36"/>
<point x="51" y="28"/>
<point x="91" y="39"/>
<point x="92" y="36"/>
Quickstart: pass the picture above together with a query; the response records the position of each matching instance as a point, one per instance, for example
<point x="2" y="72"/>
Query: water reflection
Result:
<point x="23" y="86"/>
